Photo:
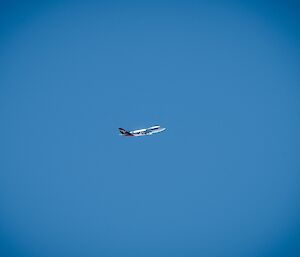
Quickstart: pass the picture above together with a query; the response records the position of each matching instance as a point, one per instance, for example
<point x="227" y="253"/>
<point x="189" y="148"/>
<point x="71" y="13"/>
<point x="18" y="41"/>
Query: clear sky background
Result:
<point x="222" y="180"/>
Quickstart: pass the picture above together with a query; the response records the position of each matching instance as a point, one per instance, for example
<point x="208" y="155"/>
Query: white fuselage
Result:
<point x="147" y="131"/>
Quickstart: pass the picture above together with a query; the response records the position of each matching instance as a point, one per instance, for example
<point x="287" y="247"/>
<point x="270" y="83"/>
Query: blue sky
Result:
<point x="223" y="180"/>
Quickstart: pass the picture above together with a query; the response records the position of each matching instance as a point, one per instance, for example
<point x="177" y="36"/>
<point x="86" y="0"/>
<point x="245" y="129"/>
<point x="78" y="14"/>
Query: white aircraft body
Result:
<point x="141" y="132"/>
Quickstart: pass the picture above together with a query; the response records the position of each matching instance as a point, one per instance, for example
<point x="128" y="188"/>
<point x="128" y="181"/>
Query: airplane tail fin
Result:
<point x="123" y="131"/>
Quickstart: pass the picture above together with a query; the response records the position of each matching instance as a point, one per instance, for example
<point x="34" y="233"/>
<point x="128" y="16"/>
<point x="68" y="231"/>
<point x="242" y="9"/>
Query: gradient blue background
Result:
<point x="223" y="180"/>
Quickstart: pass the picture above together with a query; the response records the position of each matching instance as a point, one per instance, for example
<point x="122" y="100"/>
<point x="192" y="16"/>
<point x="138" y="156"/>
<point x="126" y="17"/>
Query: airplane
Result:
<point x="141" y="132"/>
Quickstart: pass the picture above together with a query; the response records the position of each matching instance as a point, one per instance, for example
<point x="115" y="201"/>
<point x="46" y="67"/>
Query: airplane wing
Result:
<point x="155" y="130"/>
<point x="138" y="132"/>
